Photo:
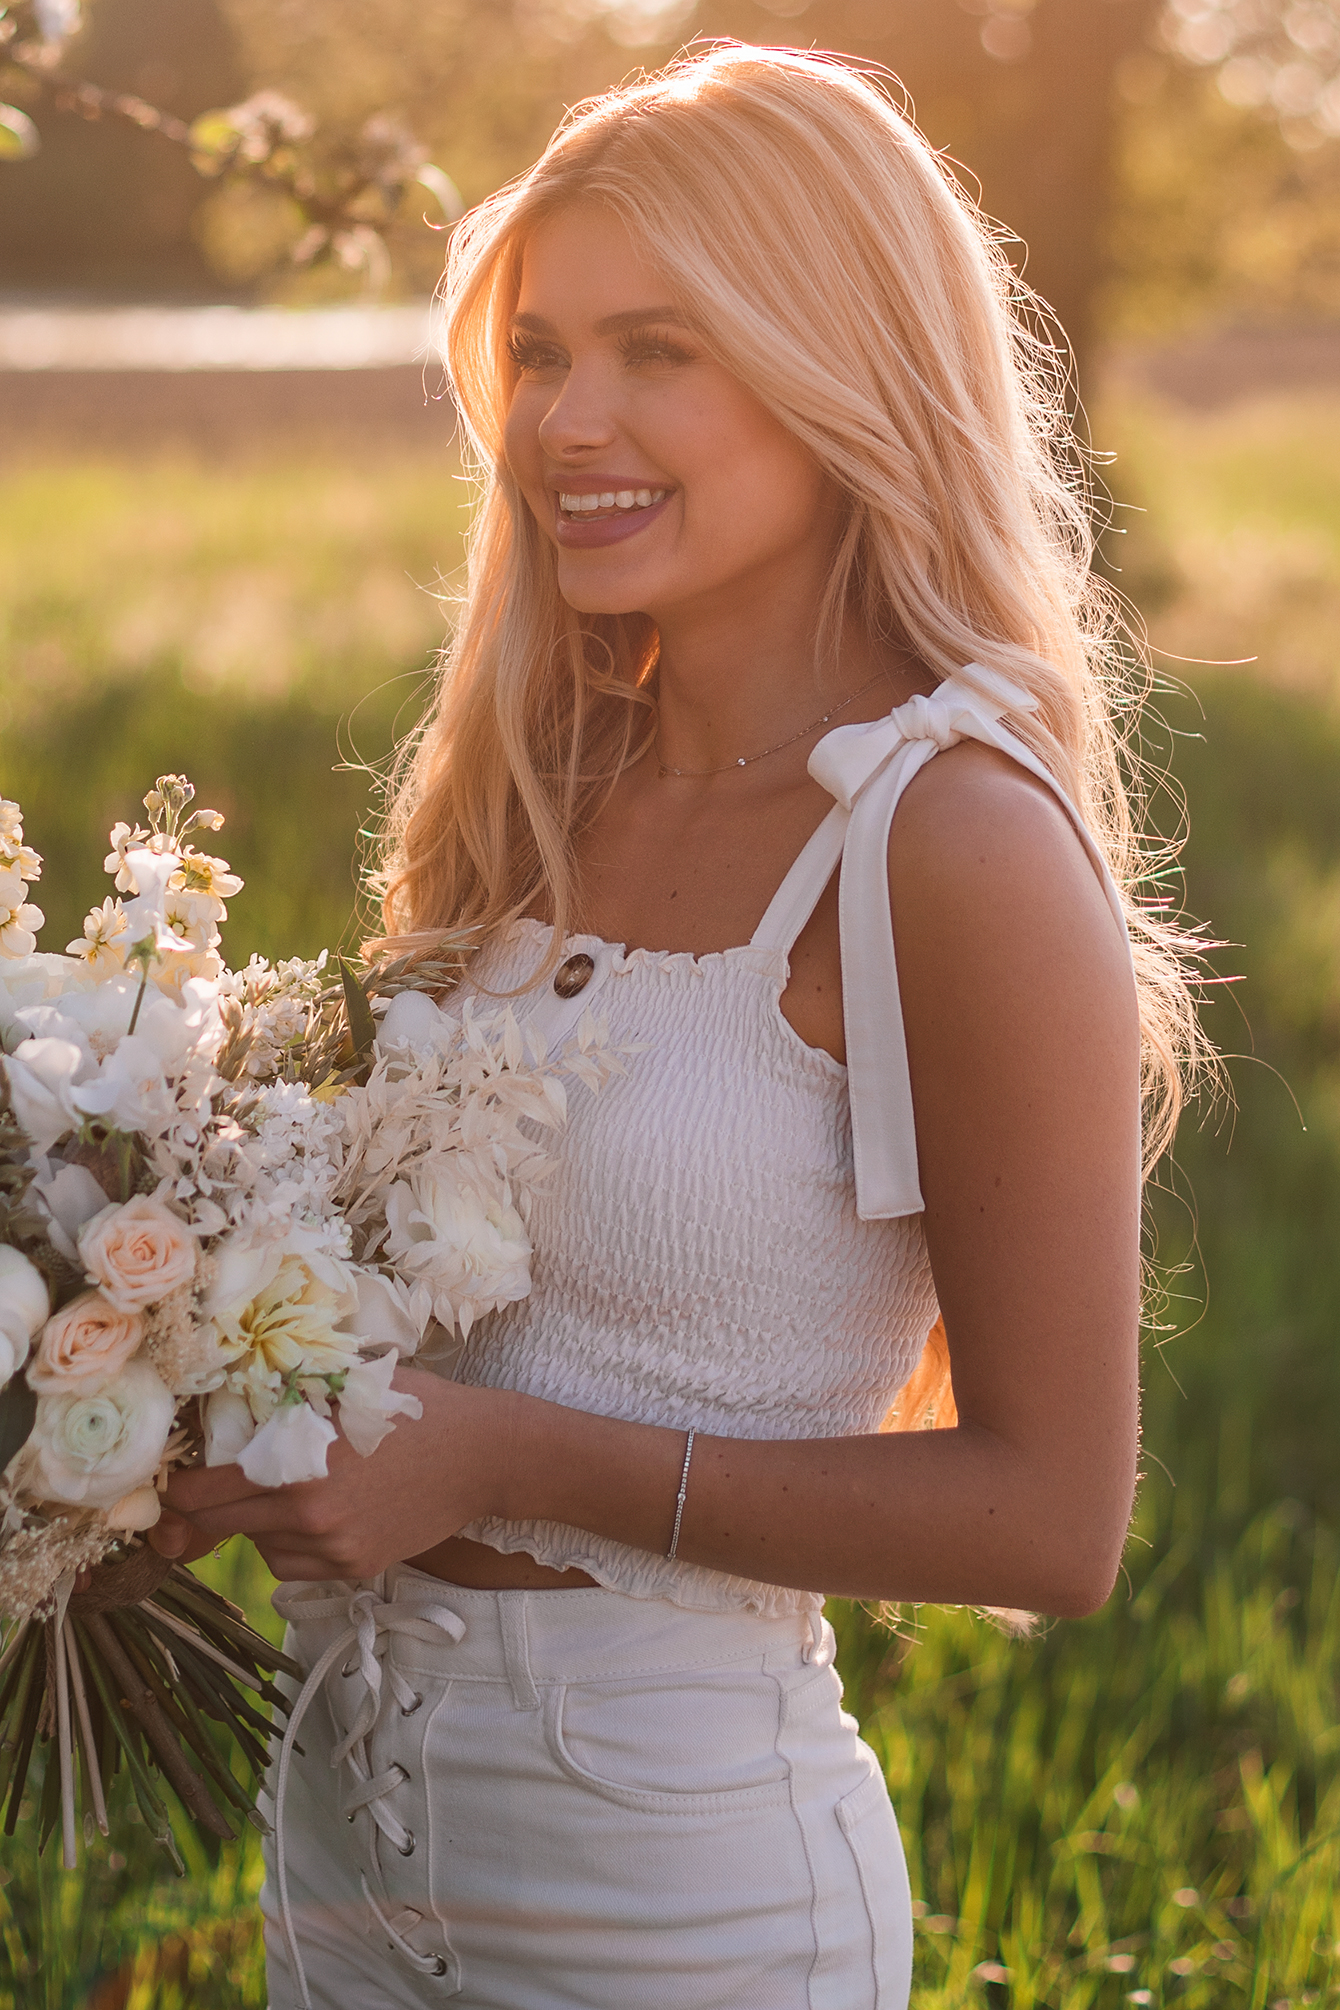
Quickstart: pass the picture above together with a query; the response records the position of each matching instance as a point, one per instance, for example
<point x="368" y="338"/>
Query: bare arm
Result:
<point x="1021" y="1028"/>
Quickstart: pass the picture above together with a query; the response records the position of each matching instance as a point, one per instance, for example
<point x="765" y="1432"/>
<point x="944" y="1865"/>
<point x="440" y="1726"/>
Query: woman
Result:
<point x="771" y="543"/>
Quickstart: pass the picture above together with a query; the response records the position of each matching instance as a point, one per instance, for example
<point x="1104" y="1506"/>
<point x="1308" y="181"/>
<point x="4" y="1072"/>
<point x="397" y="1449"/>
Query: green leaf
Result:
<point x="18" y="1409"/>
<point x="19" y="137"/>
<point x="362" y="1025"/>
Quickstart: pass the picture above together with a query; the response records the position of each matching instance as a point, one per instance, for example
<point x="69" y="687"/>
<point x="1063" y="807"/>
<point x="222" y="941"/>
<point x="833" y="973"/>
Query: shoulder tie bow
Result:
<point x="866" y="768"/>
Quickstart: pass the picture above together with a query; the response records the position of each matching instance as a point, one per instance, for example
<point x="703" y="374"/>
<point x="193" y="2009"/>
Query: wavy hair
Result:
<point x="829" y="260"/>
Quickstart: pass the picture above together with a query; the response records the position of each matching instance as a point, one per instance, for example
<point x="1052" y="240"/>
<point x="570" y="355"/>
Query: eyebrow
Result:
<point x="613" y="324"/>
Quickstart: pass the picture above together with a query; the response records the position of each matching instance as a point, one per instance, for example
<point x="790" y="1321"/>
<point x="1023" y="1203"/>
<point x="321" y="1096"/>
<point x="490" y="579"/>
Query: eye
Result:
<point x="530" y="355"/>
<point x="653" y="345"/>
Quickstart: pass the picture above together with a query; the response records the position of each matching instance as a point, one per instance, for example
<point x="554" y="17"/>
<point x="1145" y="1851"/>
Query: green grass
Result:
<point x="1142" y="1807"/>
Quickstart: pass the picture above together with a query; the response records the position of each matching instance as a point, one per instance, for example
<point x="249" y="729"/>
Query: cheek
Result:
<point x="521" y="438"/>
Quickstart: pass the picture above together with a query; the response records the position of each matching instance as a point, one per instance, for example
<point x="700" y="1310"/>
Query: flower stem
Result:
<point x="139" y="1000"/>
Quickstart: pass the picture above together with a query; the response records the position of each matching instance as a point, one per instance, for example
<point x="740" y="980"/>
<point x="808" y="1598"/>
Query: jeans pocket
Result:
<point x="712" y="1747"/>
<point x="868" y="1822"/>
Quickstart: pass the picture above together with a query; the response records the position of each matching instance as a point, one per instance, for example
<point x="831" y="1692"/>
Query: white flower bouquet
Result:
<point x="230" y="1203"/>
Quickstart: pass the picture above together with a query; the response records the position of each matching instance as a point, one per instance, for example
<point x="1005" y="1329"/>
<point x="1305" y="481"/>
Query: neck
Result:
<point x="738" y="679"/>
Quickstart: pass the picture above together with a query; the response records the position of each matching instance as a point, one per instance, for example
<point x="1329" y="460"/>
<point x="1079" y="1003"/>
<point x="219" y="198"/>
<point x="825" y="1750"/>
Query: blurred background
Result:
<point x="230" y="520"/>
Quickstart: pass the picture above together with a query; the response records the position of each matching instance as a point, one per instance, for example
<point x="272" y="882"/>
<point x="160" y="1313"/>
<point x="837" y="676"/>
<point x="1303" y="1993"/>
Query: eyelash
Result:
<point x="639" y="346"/>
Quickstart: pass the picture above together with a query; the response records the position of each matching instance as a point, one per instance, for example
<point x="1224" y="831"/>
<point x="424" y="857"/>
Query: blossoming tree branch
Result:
<point x="346" y="189"/>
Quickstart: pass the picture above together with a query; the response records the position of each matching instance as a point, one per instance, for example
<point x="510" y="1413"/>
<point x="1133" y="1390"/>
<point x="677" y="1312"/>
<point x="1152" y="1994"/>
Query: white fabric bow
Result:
<point x="866" y="768"/>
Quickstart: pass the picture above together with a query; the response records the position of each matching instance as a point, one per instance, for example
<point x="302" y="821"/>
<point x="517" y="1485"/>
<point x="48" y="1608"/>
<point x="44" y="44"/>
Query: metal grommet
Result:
<point x="439" y="1965"/>
<point x="408" y="1709"/>
<point x="404" y="1776"/>
<point x="349" y="1668"/>
<point x="352" y="1817"/>
<point x="406" y="1848"/>
<point x="574" y="975"/>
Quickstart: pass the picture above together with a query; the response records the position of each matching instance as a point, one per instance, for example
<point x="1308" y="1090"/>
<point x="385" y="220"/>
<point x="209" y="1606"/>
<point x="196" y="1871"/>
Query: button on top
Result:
<point x="574" y="975"/>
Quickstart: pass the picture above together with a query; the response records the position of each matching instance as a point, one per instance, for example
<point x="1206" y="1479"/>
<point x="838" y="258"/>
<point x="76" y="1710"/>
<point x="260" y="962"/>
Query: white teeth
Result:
<point x="582" y="505"/>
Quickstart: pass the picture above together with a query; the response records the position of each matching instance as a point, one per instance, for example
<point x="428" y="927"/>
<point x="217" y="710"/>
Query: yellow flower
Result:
<point x="289" y="1325"/>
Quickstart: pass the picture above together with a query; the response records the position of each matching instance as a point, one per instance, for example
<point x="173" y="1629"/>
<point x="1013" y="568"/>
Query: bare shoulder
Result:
<point x="985" y="865"/>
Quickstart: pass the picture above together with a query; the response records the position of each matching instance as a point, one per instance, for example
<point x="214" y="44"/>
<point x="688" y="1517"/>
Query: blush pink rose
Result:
<point x="137" y="1253"/>
<point x="83" y="1347"/>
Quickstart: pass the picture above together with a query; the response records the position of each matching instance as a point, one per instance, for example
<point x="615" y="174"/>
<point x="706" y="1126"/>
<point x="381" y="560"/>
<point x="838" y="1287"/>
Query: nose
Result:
<point x="581" y="419"/>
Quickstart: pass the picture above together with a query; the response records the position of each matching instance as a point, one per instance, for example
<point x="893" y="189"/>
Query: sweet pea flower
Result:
<point x="288" y="1449"/>
<point x="229" y="1427"/>
<point x="368" y="1402"/>
<point x="42" y="1076"/>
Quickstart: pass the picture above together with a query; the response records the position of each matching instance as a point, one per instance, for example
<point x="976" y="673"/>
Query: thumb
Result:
<point x="170" y="1534"/>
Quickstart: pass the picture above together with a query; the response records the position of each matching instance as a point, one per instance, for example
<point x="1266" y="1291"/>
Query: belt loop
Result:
<point x="516" y="1649"/>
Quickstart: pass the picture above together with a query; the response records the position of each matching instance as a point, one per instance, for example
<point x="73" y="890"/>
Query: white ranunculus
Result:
<point x="97" y="1449"/>
<point x="71" y="1196"/>
<point x="229" y="1427"/>
<point x="42" y="1077"/>
<point x="290" y="1448"/>
<point x="384" y="1317"/>
<point x="24" y="1305"/>
<point x="468" y="1246"/>
<point x="368" y="1402"/>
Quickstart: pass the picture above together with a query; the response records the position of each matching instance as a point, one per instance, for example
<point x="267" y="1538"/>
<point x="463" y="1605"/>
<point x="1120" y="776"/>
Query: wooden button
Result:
<point x="574" y="976"/>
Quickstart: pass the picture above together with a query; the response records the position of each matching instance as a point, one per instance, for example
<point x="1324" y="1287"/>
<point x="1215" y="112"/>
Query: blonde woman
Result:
<point x="774" y="733"/>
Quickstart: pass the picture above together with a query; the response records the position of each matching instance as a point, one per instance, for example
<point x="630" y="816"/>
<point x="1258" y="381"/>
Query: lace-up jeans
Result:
<point x="574" y="1800"/>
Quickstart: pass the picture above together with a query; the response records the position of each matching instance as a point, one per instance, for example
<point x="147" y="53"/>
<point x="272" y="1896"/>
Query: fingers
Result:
<point x="174" y="1537"/>
<point x="192" y="1488"/>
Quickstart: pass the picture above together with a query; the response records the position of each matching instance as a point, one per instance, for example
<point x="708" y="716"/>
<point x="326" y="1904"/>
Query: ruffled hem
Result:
<point x="639" y="1573"/>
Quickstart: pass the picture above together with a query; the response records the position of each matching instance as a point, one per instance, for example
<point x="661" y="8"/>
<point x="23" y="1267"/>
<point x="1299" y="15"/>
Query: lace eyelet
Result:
<point x="353" y="1817"/>
<point x="408" y="1709"/>
<point x="404" y="1776"/>
<point x="406" y="1848"/>
<point x="439" y="1965"/>
<point x="349" y="1668"/>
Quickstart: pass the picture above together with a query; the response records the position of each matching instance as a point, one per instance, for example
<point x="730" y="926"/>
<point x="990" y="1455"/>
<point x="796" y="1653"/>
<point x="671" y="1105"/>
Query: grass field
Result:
<point x="1143" y="1807"/>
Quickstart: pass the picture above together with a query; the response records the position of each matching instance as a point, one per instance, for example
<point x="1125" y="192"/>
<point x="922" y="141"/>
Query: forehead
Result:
<point x="581" y="266"/>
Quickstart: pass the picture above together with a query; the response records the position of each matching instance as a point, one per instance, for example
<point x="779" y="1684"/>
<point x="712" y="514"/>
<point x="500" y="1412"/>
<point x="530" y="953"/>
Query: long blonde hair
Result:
<point x="828" y="259"/>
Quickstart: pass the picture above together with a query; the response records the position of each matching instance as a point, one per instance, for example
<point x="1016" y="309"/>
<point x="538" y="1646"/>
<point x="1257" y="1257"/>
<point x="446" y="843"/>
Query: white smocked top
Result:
<point x="733" y="1236"/>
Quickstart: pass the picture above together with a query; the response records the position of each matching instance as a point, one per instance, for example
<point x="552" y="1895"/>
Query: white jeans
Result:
<point x="575" y="1800"/>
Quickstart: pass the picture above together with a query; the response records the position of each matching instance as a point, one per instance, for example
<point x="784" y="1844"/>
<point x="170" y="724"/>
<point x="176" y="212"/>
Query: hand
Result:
<point x="423" y="1483"/>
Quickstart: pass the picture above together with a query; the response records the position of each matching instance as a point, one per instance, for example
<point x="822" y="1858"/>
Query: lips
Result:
<point x="610" y="522"/>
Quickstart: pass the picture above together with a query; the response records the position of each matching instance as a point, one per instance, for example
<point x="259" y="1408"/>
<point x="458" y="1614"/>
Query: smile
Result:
<point x="609" y="502"/>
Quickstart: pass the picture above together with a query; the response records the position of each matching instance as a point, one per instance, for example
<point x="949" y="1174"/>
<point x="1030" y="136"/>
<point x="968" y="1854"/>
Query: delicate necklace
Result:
<point x="747" y="760"/>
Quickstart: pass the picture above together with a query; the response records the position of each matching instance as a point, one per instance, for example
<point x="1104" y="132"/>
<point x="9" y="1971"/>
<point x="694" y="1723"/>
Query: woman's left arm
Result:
<point x="1020" y="1016"/>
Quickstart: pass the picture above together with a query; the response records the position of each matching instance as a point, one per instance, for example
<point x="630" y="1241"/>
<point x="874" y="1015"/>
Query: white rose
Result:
<point x="229" y="1427"/>
<point x="469" y="1248"/>
<point x="97" y="1449"/>
<point x="24" y="1305"/>
<point x="368" y="1403"/>
<point x="290" y="1448"/>
<point x="137" y="1252"/>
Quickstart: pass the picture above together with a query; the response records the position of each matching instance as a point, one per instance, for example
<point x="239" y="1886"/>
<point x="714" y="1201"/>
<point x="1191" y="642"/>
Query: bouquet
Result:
<point x="230" y="1203"/>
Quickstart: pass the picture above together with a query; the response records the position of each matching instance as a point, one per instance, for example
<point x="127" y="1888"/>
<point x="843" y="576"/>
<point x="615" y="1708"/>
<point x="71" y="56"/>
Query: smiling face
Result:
<point x="663" y="481"/>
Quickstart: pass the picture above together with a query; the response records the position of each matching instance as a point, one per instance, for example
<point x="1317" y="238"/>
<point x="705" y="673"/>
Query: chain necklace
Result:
<point x="747" y="760"/>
